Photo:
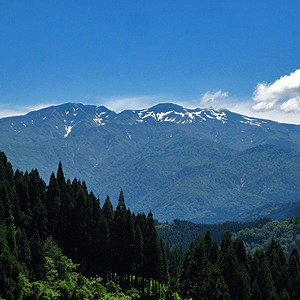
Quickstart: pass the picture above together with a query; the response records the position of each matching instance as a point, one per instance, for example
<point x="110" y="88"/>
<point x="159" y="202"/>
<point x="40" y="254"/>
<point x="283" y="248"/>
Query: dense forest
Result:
<point x="181" y="233"/>
<point x="227" y="271"/>
<point x="58" y="242"/>
<point x="55" y="237"/>
<point x="255" y="234"/>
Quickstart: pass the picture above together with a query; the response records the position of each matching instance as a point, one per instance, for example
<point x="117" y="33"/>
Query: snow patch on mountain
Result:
<point x="70" y="115"/>
<point x="163" y="114"/>
<point x="186" y="116"/>
<point x="68" y="130"/>
<point x="98" y="118"/>
<point x="219" y="115"/>
<point x="190" y="115"/>
<point x="251" y="121"/>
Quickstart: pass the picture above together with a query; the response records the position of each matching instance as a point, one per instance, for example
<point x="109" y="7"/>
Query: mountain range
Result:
<point x="202" y="165"/>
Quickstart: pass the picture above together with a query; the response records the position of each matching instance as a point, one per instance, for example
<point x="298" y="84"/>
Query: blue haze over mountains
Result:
<point x="203" y="165"/>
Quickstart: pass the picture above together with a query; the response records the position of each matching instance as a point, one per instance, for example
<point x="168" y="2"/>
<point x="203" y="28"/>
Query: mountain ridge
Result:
<point x="72" y="116"/>
<point x="195" y="164"/>
<point x="160" y="112"/>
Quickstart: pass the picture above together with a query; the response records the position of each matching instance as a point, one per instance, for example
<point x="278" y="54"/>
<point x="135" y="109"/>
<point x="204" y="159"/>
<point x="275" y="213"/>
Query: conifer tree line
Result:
<point x="114" y="244"/>
<point x="227" y="271"/>
<point x="47" y="232"/>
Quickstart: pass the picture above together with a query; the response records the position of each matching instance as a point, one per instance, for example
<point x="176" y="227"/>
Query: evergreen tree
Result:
<point x="151" y="250"/>
<point x="80" y="228"/>
<point x="293" y="268"/>
<point x="6" y="213"/>
<point x="277" y="264"/>
<point x="11" y="239"/>
<point x="107" y="211"/>
<point x="240" y="253"/>
<point x="10" y="286"/>
<point x="24" y="255"/>
<point x="118" y="237"/>
<point x="53" y="203"/>
<point x="275" y="250"/>
<point x="172" y="267"/>
<point x="255" y="265"/>
<point x="138" y="251"/>
<point x="129" y="245"/>
<point x="215" y="287"/>
<point x="208" y="240"/>
<point x="38" y="259"/>
<point x="121" y="202"/>
<point x="201" y="279"/>
<point x="21" y="182"/>
<point x="102" y="245"/>
<point x="185" y="267"/>
<point x="66" y="222"/>
<point x="61" y="179"/>
<point x="255" y="291"/>
<point x="164" y="274"/>
<point x="265" y="283"/>
<point x="37" y="198"/>
<point x="99" y="238"/>
<point x="234" y="273"/>
<point x="213" y="248"/>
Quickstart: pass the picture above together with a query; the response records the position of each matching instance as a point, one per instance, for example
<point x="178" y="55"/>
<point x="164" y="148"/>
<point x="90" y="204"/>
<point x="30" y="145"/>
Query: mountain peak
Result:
<point x="65" y="119"/>
<point x="167" y="158"/>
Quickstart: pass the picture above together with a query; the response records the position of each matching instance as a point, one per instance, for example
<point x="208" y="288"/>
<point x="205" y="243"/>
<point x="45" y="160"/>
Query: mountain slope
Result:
<point x="276" y="211"/>
<point x="237" y="131"/>
<point x="196" y="164"/>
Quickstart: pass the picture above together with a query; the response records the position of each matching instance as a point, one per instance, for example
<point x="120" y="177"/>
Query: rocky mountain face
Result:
<point x="203" y="165"/>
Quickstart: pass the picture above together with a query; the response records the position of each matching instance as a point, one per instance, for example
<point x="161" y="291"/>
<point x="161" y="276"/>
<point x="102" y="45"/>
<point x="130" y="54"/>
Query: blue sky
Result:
<point x="240" y="55"/>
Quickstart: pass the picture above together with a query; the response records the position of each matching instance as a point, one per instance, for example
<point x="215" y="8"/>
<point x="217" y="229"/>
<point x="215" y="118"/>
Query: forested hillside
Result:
<point x="201" y="165"/>
<point x="276" y="211"/>
<point x="181" y="233"/>
<point x="58" y="242"/>
<point x="256" y="234"/>
<point x="227" y="272"/>
<point x="55" y="236"/>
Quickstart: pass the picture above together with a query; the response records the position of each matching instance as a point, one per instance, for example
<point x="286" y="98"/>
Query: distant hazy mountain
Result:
<point x="198" y="164"/>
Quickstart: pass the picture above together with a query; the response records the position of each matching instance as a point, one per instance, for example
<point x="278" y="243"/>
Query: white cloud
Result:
<point x="292" y="104"/>
<point x="264" y="105"/>
<point x="284" y="92"/>
<point x="209" y="99"/>
<point x="284" y="111"/>
<point x="6" y="111"/>
<point x="277" y="115"/>
<point x="287" y="113"/>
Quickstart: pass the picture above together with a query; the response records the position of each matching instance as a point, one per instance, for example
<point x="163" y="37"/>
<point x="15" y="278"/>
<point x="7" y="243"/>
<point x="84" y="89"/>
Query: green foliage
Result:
<point x="286" y="232"/>
<point x="200" y="278"/>
<point x="181" y="233"/>
<point x="114" y="254"/>
<point x="256" y="234"/>
<point x="177" y="170"/>
<point x="173" y="287"/>
<point x="10" y="285"/>
<point x="67" y="246"/>
<point x="266" y="275"/>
